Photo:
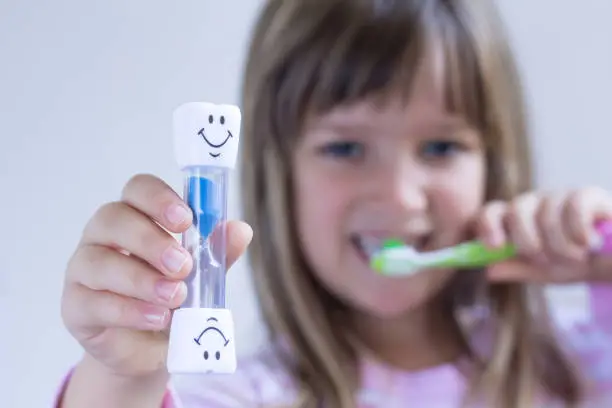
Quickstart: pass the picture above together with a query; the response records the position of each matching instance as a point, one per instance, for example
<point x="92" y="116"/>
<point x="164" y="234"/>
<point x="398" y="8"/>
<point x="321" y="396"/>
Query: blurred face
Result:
<point x="365" y="173"/>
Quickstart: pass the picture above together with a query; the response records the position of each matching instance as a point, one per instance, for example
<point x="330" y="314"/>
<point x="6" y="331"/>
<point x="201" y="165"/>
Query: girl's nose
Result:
<point x="402" y="187"/>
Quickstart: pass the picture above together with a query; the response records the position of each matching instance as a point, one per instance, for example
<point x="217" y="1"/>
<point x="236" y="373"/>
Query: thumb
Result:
<point x="238" y="237"/>
<point x="513" y="271"/>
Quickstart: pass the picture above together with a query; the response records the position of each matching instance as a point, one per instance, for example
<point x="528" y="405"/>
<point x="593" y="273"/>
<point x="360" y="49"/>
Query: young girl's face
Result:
<point x="368" y="172"/>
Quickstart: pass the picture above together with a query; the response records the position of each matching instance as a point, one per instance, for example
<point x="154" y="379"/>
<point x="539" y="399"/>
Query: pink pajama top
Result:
<point x="259" y="382"/>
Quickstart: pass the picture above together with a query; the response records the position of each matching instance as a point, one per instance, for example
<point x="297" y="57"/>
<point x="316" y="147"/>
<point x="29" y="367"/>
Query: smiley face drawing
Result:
<point x="202" y="341"/>
<point x="217" y="131"/>
<point x="206" y="134"/>
<point x="213" y="341"/>
<point x="214" y="123"/>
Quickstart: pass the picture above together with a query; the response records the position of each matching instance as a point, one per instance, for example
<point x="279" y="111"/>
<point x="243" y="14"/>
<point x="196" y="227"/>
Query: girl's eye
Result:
<point x="440" y="149"/>
<point x="343" y="149"/>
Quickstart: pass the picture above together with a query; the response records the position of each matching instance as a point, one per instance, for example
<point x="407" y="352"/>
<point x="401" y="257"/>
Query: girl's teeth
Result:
<point x="370" y="245"/>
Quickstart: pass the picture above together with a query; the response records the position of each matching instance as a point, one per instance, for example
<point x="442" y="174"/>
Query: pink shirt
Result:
<point x="261" y="382"/>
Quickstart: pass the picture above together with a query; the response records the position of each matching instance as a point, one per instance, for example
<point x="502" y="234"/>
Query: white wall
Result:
<point x="86" y="93"/>
<point x="87" y="89"/>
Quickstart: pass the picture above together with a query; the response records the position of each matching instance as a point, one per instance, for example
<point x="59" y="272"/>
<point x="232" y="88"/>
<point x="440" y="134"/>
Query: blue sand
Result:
<point x="203" y="200"/>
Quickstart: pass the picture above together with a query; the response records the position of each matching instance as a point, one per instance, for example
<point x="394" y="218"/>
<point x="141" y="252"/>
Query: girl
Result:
<point x="363" y="120"/>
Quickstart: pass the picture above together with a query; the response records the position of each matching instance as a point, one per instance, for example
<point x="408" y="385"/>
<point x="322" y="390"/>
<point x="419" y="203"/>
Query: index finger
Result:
<point x="156" y="199"/>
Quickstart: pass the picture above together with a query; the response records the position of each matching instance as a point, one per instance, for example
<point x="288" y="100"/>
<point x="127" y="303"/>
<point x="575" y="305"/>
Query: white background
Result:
<point x="86" y="94"/>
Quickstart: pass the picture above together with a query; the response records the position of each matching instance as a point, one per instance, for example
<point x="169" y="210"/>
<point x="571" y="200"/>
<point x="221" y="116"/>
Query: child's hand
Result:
<point x="118" y="307"/>
<point x="552" y="233"/>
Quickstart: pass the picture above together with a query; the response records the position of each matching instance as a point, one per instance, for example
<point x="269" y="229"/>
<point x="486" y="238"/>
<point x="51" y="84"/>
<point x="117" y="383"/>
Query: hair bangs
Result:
<point x="370" y="58"/>
<point x="456" y="58"/>
<point x="352" y="53"/>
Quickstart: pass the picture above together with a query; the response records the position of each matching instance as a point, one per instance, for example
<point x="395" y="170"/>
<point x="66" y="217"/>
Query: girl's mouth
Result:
<point x="367" y="245"/>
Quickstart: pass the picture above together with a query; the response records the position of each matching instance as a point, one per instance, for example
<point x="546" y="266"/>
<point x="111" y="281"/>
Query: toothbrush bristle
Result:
<point x="378" y="264"/>
<point x="369" y="246"/>
<point x="392" y="243"/>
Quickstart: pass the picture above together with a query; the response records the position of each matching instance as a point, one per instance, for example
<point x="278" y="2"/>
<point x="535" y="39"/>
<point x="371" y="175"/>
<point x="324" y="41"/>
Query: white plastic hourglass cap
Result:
<point x="201" y="342"/>
<point x="206" y="134"/>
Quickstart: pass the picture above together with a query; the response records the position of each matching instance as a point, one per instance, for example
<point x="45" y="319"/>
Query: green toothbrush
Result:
<point x="397" y="259"/>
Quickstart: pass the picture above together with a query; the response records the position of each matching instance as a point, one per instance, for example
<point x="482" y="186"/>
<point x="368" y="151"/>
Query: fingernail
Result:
<point x="167" y="290"/>
<point x="155" y="315"/>
<point x="177" y="214"/>
<point x="595" y="241"/>
<point x="174" y="259"/>
<point x="494" y="241"/>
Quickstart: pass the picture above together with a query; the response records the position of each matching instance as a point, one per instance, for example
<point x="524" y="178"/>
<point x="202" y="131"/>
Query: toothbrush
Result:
<point x="397" y="259"/>
<point x="206" y="139"/>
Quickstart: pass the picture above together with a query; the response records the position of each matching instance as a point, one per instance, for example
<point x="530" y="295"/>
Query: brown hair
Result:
<point x="311" y="55"/>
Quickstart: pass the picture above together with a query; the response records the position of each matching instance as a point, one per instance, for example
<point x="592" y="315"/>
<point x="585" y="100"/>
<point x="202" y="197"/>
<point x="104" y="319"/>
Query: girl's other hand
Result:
<point x="553" y="234"/>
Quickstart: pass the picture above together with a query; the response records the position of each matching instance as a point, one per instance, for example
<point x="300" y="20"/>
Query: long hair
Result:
<point x="312" y="55"/>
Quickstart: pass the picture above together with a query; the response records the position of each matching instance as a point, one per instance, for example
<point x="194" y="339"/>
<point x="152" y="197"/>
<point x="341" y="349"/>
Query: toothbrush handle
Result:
<point x="476" y="254"/>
